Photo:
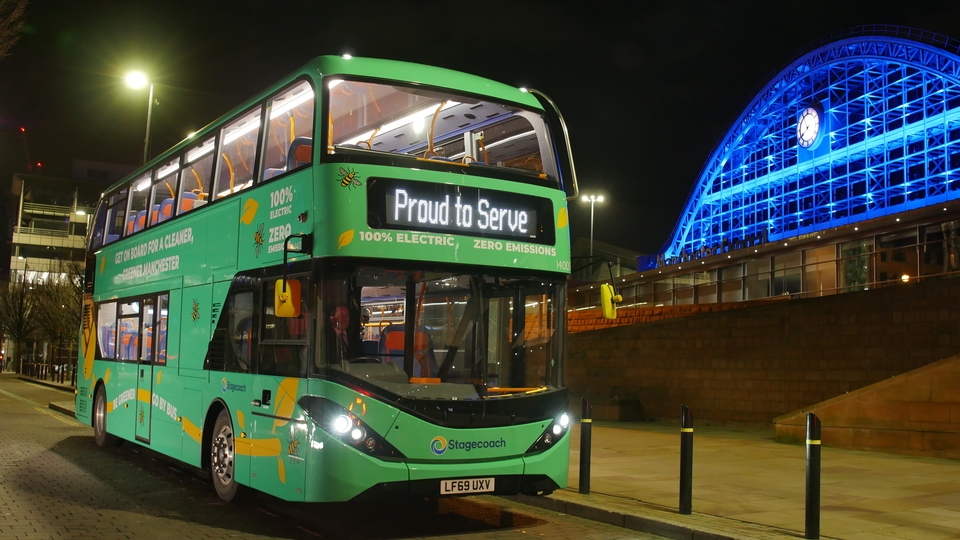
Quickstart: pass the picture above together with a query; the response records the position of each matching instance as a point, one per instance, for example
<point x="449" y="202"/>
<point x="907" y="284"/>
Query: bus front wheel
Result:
<point x="223" y="452"/>
<point x="100" y="434"/>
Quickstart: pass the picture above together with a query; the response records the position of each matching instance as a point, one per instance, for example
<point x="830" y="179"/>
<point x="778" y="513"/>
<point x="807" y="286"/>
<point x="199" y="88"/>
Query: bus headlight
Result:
<point x="347" y="427"/>
<point x="555" y="431"/>
<point x="341" y="424"/>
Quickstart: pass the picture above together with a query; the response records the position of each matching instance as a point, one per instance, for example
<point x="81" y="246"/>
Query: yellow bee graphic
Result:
<point x="142" y="414"/>
<point x="293" y="448"/>
<point x="258" y="240"/>
<point x="348" y="178"/>
<point x="195" y="315"/>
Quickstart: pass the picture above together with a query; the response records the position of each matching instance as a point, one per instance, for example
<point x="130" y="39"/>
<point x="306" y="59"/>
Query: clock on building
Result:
<point x="808" y="126"/>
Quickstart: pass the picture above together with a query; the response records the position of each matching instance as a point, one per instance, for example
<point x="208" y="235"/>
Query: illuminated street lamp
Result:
<point x="137" y="79"/>
<point x="592" y="199"/>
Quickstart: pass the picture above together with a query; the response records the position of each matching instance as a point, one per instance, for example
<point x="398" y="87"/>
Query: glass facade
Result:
<point x="880" y="135"/>
<point x="841" y="175"/>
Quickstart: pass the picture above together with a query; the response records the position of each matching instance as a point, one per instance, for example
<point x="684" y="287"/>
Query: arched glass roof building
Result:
<point x="842" y="173"/>
<point x="862" y="127"/>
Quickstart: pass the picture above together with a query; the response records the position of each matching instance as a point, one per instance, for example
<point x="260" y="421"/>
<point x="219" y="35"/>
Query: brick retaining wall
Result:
<point x="752" y="364"/>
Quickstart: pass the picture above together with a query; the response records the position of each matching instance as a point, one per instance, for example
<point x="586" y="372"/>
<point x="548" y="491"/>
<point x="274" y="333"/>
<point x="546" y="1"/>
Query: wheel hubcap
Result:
<point x="221" y="455"/>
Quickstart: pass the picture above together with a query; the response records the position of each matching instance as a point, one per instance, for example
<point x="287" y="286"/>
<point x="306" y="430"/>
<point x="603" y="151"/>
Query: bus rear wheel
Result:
<point x="223" y="452"/>
<point x="100" y="434"/>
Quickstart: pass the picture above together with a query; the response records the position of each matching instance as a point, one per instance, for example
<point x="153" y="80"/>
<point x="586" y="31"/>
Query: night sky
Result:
<point x="647" y="88"/>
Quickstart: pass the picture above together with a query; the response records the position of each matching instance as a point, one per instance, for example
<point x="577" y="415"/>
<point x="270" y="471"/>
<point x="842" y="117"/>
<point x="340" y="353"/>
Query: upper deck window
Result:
<point x="288" y="144"/>
<point x="438" y="126"/>
<point x="238" y="152"/>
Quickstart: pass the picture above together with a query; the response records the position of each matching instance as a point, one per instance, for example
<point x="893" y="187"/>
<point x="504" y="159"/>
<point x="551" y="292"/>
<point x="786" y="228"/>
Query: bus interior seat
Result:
<point x="110" y="238"/>
<point x="166" y="210"/>
<point x="141" y="221"/>
<point x="391" y="349"/>
<point x="300" y="153"/>
<point x="155" y="215"/>
<point x="187" y="200"/>
<point x="128" y="341"/>
<point x="131" y="221"/>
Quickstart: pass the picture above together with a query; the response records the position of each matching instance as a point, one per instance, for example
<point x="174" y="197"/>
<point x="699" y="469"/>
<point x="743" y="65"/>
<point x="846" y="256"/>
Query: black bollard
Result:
<point x="812" y="526"/>
<point x="686" y="460"/>
<point x="586" y="424"/>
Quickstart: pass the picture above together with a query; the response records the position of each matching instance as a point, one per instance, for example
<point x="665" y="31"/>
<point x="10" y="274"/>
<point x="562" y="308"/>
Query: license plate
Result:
<point x="470" y="485"/>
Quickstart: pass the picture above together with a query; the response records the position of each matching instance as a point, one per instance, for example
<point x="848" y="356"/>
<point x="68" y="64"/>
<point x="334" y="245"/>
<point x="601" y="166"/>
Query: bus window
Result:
<point x="439" y="127"/>
<point x="160" y="333"/>
<point x="288" y="144"/>
<point x="116" y="216"/>
<point x="283" y="344"/>
<point x="239" y="357"/>
<point x="137" y="216"/>
<point x="107" y="329"/>
<point x="196" y="180"/>
<point x="238" y="153"/>
<point x="95" y="234"/>
<point x="164" y="192"/>
<point x="146" y="332"/>
<point x="128" y="327"/>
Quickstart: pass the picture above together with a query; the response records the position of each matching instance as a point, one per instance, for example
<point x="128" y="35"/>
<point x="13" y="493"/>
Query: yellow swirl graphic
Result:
<point x="286" y="399"/>
<point x="562" y="218"/>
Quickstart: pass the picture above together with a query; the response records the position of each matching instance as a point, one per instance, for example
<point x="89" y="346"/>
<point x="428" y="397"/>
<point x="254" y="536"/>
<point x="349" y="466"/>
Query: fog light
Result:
<point x="357" y="434"/>
<point x="371" y="444"/>
<point x="557" y="429"/>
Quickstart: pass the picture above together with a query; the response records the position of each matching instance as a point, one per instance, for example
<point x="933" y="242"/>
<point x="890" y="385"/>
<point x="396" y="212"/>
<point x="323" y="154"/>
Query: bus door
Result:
<point x="145" y="399"/>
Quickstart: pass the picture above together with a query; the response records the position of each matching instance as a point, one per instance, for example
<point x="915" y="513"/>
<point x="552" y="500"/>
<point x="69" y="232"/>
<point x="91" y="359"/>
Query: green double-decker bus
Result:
<point x="352" y="285"/>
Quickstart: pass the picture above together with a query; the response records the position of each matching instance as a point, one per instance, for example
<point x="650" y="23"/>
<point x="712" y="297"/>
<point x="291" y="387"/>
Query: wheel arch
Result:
<point x="213" y="411"/>
<point x="96" y="388"/>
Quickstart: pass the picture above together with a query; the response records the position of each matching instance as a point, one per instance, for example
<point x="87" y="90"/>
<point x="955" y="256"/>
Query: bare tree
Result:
<point x="59" y="306"/>
<point x="12" y="13"/>
<point x="17" y="316"/>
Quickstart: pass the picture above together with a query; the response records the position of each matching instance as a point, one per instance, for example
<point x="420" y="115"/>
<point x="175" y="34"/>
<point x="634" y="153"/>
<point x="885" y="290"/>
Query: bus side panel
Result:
<point x="120" y="384"/>
<point x="272" y="213"/>
<point x="222" y="240"/>
<point x="194" y="336"/>
<point x="166" y="401"/>
<point x="192" y="416"/>
<point x="553" y="463"/>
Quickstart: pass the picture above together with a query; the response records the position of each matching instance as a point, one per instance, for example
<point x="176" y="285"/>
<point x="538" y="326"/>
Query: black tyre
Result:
<point x="223" y="452"/>
<point x="100" y="434"/>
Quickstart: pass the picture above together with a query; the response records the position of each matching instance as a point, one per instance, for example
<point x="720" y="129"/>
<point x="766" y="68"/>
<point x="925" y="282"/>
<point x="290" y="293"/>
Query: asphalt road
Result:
<point x="56" y="483"/>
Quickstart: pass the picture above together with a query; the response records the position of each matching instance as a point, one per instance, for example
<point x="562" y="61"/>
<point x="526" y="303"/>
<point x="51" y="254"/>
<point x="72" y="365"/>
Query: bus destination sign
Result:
<point x="421" y="206"/>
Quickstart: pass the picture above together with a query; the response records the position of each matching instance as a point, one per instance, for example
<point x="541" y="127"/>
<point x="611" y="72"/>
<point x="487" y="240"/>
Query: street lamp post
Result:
<point x="136" y="79"/>
<point x="592" y="199"/>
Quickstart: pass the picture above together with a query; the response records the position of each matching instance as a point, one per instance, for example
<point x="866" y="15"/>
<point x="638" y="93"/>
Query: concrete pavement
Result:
<point x="747" y="486"/>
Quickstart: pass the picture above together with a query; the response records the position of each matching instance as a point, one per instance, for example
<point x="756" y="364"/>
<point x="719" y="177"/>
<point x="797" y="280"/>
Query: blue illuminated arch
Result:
<point x="889" y="142"/>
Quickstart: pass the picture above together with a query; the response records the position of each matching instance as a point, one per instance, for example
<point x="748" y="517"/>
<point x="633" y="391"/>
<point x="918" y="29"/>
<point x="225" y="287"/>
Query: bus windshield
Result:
<point x="390" y="120"/>
<point x="443" y="335"/>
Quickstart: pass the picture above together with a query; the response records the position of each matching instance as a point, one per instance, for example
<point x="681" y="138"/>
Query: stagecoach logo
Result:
<point x="439" y="445"/>
<point x="228" y="386"/>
